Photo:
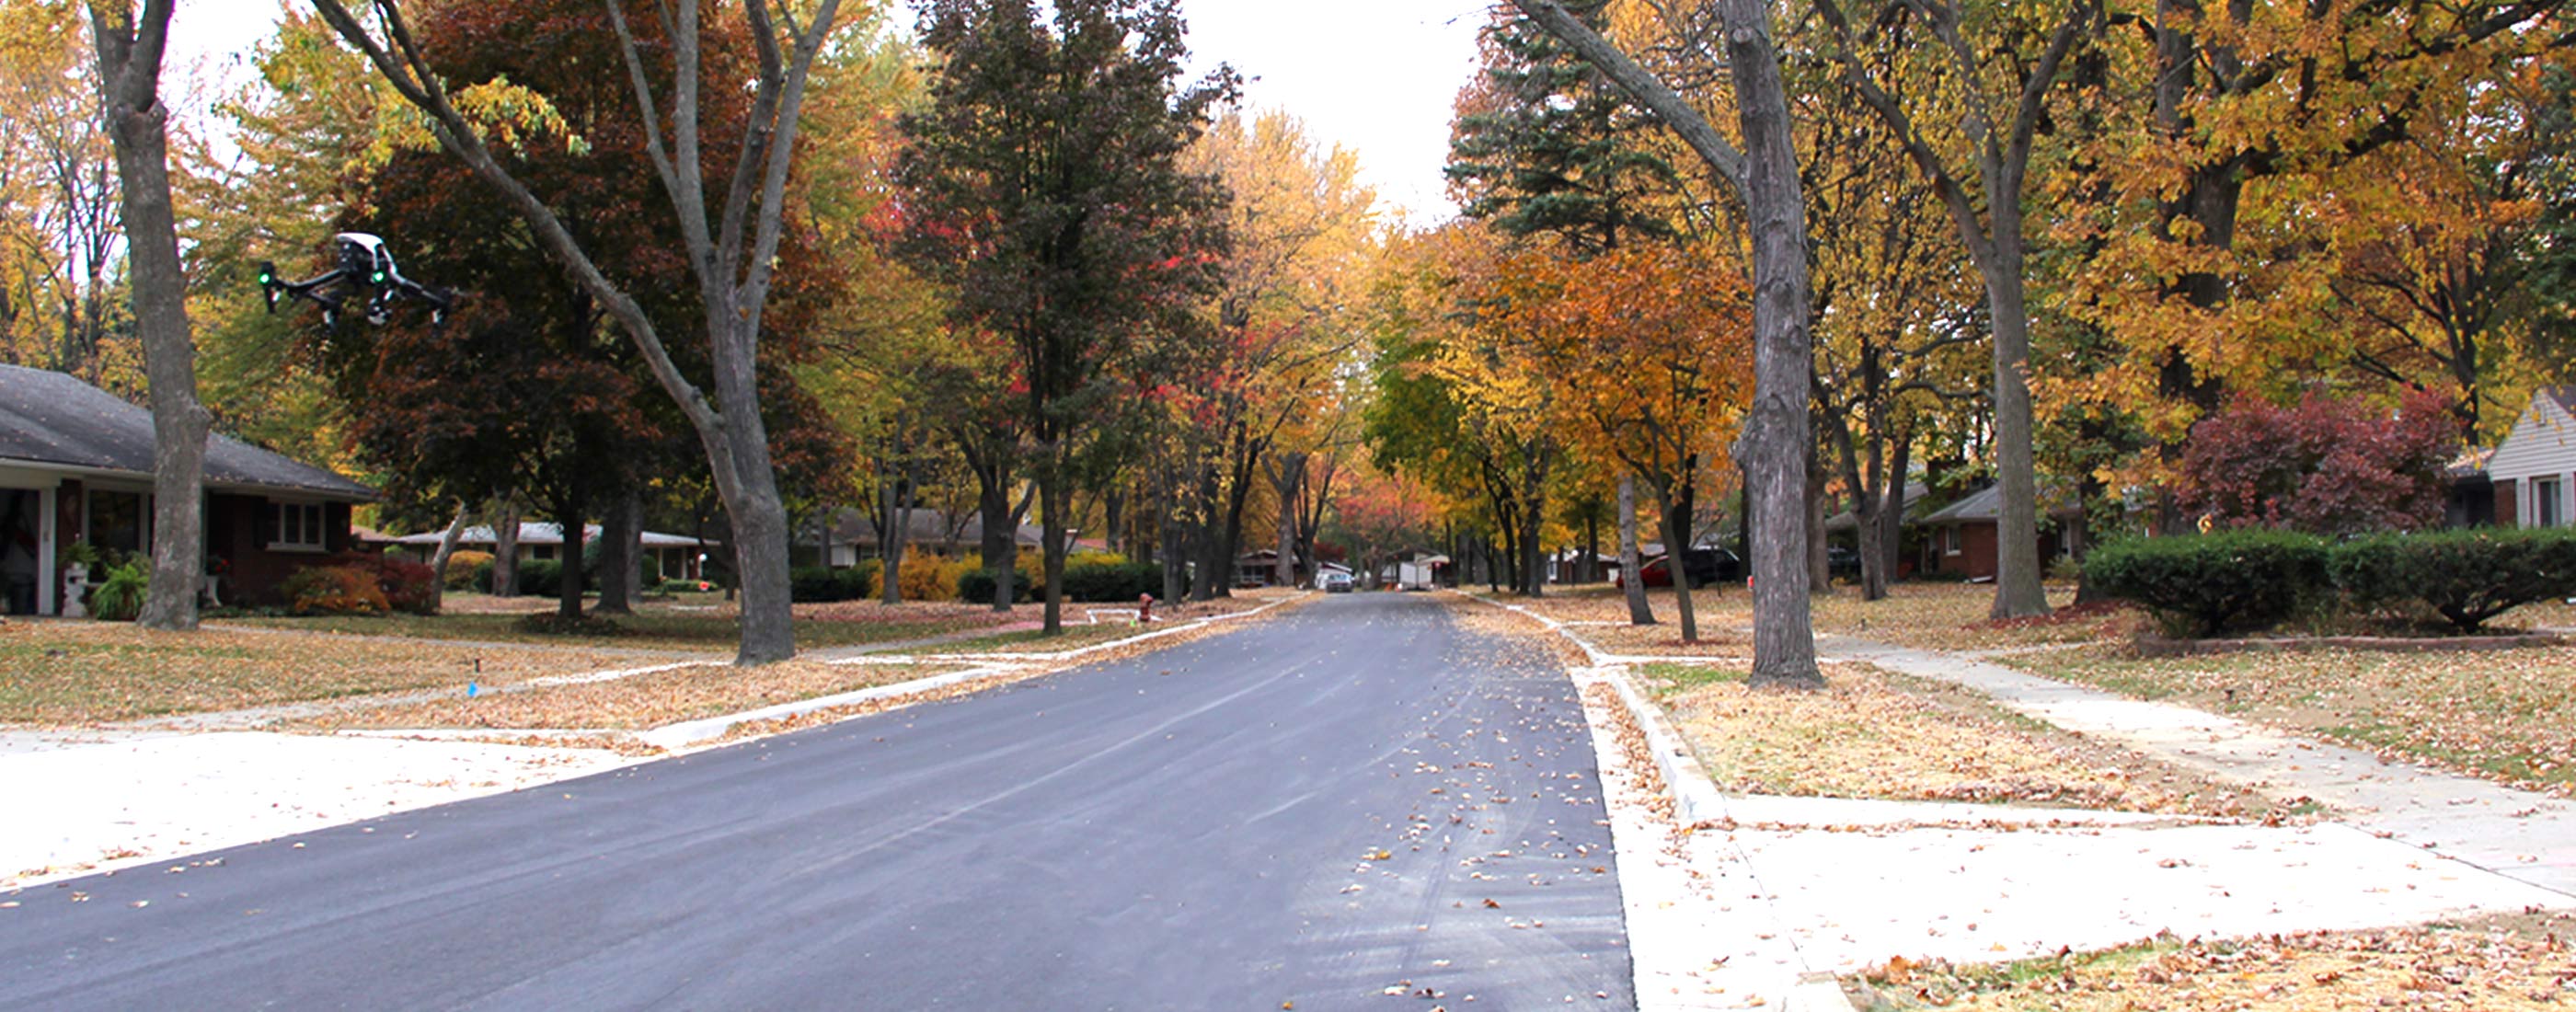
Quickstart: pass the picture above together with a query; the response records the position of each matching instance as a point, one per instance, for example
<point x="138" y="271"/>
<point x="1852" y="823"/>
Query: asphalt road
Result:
<point x="1352" y="796"/>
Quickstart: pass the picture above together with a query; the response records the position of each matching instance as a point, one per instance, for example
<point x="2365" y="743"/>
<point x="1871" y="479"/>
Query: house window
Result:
<point x="116" y="520"/>
<point x="2548" y="505"/>
<point x="299" y="526"/>
<point x="1950" y="540"/>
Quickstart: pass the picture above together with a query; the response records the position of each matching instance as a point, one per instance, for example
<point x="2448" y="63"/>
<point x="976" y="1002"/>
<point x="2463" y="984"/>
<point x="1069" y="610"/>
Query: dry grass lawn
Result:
<point x="75" y="672"/>
<point x="2508" y="715"/>
<point x="2501" y="963"/>
<point x="1873" y="734"/>
<point x="708" y="625"/>
<point x="633" y="703"/>
<point x="1937" y="616"/>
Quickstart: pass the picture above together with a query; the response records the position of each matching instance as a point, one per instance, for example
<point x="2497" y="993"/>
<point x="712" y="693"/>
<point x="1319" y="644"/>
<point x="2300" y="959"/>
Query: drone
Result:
<point x="366" y="272"/>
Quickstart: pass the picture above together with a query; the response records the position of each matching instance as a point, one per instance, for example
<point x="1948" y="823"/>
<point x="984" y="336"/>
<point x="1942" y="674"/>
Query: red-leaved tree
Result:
<point x="2328" y="466"/>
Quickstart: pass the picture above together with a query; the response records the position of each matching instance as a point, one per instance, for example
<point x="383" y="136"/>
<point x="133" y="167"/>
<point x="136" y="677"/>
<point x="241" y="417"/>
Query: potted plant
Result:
<point x="75" y="559"/>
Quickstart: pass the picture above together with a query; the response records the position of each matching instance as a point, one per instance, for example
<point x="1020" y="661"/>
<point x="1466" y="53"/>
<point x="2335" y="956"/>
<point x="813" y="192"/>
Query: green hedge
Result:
<point x="2469" y="576"/>
<point x="2235" y="581"/>
<point x="1111" y="581"/>
<point x="976" y="586"/>
<point x="819" y="583"/>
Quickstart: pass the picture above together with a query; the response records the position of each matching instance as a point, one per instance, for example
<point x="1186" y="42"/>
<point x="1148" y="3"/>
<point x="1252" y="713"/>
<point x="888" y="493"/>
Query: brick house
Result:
<point x="76" y="465"/>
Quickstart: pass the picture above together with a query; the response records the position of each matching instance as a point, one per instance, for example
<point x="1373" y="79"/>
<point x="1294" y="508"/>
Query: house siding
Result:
<point x="2541" y="445"/>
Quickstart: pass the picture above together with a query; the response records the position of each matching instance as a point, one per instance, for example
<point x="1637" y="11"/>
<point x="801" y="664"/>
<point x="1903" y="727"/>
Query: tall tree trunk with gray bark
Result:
<point x="129" y="63"/>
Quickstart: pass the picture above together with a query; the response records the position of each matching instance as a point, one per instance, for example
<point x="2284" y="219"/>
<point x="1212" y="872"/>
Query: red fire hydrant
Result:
<point x="1144" y="608"/>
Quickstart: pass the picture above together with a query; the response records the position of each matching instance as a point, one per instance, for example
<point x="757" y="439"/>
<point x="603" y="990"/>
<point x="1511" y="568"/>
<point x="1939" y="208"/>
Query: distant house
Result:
<point x="679" y="556"/>
<point x="76" y="465"/>
<point x="2534" y="469"/>
<point x="854" y="535"/>
<point x="1960" y="538"/>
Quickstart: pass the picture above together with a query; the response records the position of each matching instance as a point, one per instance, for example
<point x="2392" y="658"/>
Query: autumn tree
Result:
<point x="2234" y="143"/>
<point x="1673" y="324"/>
<point x="1046" y="191"/>
<point x="130" y="46"/>
<point x="1298" y="224"/>
<point x="60" y="224"/>
<point x="1764" y="175"/>
<point x="732" y="235"/>
<point x="1966" y="104"/>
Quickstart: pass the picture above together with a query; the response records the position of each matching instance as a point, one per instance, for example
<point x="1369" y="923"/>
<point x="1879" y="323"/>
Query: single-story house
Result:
<point x="1960" y="538"/>
<point x="679" y="556"/>
<point x="855" y="536"/>
<point x="2534" y="469"/>
<point x="76" y="465"/>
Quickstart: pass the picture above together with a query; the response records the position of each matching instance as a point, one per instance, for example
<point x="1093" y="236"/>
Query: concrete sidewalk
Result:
<point x="1765" y="899"/>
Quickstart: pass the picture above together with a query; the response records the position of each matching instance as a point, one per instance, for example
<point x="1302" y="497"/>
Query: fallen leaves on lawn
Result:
<point x="93" y="672"/>
<point x="2506" y="715"/>
<point x="633" y="703"/>
<point x="1871" y="734"/>
<point x="2501" y="963"/>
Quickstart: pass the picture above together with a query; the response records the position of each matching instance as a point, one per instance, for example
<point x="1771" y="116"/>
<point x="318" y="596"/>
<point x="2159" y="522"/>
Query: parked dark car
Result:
<point x="1842" y="562"/>
<point x="1704" y="566"/>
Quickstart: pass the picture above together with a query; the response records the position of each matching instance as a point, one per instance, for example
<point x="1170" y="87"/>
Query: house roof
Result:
<point x="1915" y="493"/>
<point x="52" y="419"/>
<point x="544" y="533"/>
<point x="1980" y="507"/>
<point x="923" y="525"/>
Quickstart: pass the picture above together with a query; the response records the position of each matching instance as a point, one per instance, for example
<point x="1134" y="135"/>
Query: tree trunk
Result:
<point x="2017" y="576"/>
<point x="1051" y="528"/>
<point x="619" y="535"/>
<point x="505" y="547"/>
<point x="1674" y="535"/>
<point x="1820" y="574"/>
<point x="129" y="61"/>
<point x="1286" y="476"/>
<point x="1784" y="644"/>
<point x="571" y="518"/>
<point x="1631" y="582"/>
<point x="1892" y="507"/>
<point x="1533" y="575"/>
<point x="893" y="532"/>
<point x="438" y="562"/>
<point x="999" y="546"/>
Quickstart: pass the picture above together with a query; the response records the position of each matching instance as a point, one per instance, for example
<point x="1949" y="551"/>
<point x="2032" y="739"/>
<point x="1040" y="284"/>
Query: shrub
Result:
<point x="541" y="578"/>
<point x="120" y="598"/>
<point x="930" y="578"/>
<point x="2327" y="466"/>
<point x="2469" y="576"/>
<point x="2240" y="580"/>
<point x="405" y="584"/>
<point x="465" y="566"/>
<point x="334" y="590"/>
<point x="1090" y="580"/>
<point x="976" y="586"/>
<point x="821" y="584"/>
<point x="652" y="569"/>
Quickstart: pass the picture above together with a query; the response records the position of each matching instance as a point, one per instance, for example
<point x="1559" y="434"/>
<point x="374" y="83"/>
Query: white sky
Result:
<point x="1375" y="76"/>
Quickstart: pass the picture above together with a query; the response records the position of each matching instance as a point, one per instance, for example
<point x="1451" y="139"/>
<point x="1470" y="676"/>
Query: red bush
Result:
<point x="406" y="585"/>
<point x="2329" y="466"/>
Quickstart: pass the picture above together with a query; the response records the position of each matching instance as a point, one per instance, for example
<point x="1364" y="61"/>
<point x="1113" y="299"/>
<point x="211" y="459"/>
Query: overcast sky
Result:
<point x="1373" y="75"/>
